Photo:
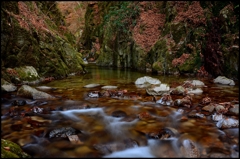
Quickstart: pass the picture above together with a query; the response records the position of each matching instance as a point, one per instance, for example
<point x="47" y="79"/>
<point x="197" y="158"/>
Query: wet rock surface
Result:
<point x="62" y="132"/>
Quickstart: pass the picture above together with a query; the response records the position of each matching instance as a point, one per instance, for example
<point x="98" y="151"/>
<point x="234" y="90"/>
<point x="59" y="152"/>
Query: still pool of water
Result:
<point x="112" y="127"/>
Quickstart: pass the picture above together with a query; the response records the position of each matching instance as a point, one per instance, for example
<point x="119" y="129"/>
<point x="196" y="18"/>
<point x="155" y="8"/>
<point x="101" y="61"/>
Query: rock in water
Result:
<point x="147" y="79"/>
<point x="91" y="85"/>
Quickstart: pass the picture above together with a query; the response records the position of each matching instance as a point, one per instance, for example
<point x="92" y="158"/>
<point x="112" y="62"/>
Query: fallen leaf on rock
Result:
<point x="75" y="139"/>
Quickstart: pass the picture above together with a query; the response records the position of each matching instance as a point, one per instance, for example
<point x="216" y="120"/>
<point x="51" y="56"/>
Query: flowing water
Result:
<point x="112" y="127"/>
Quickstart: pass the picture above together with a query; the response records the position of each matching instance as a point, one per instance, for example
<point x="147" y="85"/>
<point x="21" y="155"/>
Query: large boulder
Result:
<point x="27" y="73"/>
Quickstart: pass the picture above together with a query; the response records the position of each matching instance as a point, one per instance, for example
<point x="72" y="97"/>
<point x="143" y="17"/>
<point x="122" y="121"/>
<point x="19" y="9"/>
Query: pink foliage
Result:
<point x="147" y="30"/>
<point x="194" y="15"/>
<point x="96" y="46"/>
<point x="180" y="60"/>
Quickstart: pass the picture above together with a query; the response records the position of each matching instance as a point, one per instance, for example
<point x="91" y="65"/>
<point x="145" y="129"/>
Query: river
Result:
<point x="76" y="125"/>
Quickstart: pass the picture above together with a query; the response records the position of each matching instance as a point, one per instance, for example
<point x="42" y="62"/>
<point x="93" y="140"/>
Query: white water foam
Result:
<point x="162" y="148"/>
<point x="72" y="114"/>
<point x="143" y="151"/>
<point x="140" y="152"/>
<point x="114" y="125"/>
<point x="117" y="127"/>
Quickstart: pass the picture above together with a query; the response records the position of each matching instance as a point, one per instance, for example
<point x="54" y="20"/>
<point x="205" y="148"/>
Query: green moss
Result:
<point x="70" y="37"/>
<point x="170" y="11"/>
<point x="51" y="25"/>
<point x="187" y="66"/>
<point x="198" y="34"/>
<point x="80" y="61"/>
<point x="158" y="51"/>
<point x="64" y="67"/>
<point x="27" y="73"/>
<point x="231" y="62"/>
<point x="157" y="66"/>
<point x="14" y="151"/>
<point x="178" y="31"/>
<point x="47" y="52"/>
<point x="166" y="30"/>
<point x="106" y="57"/>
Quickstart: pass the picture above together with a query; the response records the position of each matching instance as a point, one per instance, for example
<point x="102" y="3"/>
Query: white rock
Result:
<point x="147" y="79"/>
<point x="145" y="85"/>
<point x="196" y="91"/>
<point x="44" y="88"/>
<point x="140" y="80"/>
<point x="217" y="117"/>
<point x="180" y="111"/>
<point x="9" y="87"/>
<point x="168" y="103"/>
<point x="197" y="83"/>
<point x="224" y="80"/>
<point x="152" y="80"/>
<point x="227" y="123"/>
<point x="162" y="87"/>
<point x="93" y="95"/>
<point x="91" y="85"/>
<point x="109" y="87"/>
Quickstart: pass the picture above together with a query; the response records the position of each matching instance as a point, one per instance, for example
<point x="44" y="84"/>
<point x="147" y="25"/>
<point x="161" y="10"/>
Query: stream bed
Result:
<point x="77" y="125"/>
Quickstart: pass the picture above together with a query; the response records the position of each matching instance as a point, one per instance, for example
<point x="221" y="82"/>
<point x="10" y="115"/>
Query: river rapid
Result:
<point x="76" y="125"/>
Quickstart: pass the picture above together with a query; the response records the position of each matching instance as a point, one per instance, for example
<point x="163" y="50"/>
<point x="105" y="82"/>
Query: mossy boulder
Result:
<point x="27" y="73"/>
<point x="10" y="149"/>
<point x="35" y="40"/>
<point x="62" y="59"/>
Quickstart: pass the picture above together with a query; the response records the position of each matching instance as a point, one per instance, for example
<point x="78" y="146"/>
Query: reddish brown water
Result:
<point x="97" y="126"/>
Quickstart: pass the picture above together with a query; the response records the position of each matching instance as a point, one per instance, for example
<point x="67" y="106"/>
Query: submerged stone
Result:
<point x="62" y="132"/>
<point x="29" y="92"/>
